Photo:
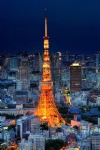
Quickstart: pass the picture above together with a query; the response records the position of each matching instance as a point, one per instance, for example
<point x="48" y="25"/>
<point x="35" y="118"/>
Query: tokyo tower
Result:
<point x="46" y="109"/>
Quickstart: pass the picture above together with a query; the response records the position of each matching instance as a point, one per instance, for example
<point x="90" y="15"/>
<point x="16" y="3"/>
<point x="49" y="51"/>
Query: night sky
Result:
<point x="74" y="25"/>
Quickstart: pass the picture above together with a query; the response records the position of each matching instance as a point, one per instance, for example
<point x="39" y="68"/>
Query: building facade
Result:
<point x="75" y="77"/>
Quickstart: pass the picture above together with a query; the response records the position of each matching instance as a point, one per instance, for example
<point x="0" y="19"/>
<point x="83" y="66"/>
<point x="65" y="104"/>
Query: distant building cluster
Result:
<point x="20" y="75"/>
<point x="76" y="80"/>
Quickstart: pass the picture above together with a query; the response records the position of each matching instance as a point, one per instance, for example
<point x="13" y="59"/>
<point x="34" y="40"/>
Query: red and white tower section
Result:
<point x="46" y="109"/>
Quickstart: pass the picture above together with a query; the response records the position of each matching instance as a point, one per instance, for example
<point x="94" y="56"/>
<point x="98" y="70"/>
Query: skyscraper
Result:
<point x="24" y="72"/>
<point x="75" y="77"/>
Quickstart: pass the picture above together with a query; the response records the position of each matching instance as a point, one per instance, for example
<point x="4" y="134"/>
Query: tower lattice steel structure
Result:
<point x="46" y="109"/>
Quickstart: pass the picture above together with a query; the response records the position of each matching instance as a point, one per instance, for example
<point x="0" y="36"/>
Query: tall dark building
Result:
<point x="37" y="62"/>
<point x="24" y="72"/>
<point x="75" y="77"/>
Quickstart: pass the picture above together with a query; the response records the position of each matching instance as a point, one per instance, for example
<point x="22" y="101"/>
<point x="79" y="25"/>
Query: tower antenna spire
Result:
<point x="45" y="12"/>
<point x="46" y="33"/>
<point x="46" y="38"/>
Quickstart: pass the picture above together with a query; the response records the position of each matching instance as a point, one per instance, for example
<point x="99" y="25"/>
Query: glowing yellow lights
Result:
<point x="46" y="44"/>
<point x="67" y="95"/>
<point x="46" y="59"/>
<point x="45" y="65"/>
<point x="75" y="64"/>
<point x="44" y="117"/>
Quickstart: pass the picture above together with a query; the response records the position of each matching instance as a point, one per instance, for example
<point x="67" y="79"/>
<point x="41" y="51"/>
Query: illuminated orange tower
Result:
<point x="46" y="109"/>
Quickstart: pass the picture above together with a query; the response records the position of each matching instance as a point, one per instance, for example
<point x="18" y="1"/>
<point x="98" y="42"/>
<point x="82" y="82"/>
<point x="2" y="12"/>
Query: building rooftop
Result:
<point x="75" y="64"/>
<point x="74" y="109"/>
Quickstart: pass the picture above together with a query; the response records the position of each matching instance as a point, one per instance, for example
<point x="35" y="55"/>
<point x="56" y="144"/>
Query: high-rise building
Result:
<point x="35" y="142"/>
<point x="35" y="70"/>
<point x="38" y="141"/>
<point x="13" y="67"/>
<point x="46" y="109"/>
<point x="37" y="62"/>
<point x="28" y="123"/>
<point x="13" y="63"/>
<point x="75" y="77"/>
<point x="24" y="72"/>
<point x="95" y="141"/>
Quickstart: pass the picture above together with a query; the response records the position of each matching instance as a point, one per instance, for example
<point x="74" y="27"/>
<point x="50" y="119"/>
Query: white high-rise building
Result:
<point x="98" y="100"/>
<point x="38" y="140"/>
<point x="35" y="142"/>
<point x="98" y="79"/>
<point x="98" y="121"/>
<point x="95" y="141"/>
<point x="25" y="145"/>
<point x="14" y="63"/>
<point x="18" y="85"/>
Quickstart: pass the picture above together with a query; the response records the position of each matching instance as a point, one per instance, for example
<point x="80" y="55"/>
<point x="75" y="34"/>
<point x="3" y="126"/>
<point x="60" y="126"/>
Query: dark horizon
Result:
<point x="72" y="25"/>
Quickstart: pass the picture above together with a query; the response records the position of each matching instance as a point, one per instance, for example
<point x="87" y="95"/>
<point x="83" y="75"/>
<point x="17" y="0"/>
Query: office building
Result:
<point x="75" y="77"/>
<point x="24" y="73"/>
<point x="27" y="124"/>
<point x="95" y="141"/>
<point x="34" y="142"/>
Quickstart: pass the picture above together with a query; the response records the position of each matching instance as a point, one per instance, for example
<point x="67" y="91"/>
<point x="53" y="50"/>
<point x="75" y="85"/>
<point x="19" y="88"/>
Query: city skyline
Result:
<point x="73" y="25"/>
<point x="47" y="101"/>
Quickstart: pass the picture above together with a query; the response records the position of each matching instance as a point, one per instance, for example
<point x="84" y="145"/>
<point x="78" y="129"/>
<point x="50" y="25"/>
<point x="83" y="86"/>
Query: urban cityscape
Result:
<point x="49" y="101"/>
